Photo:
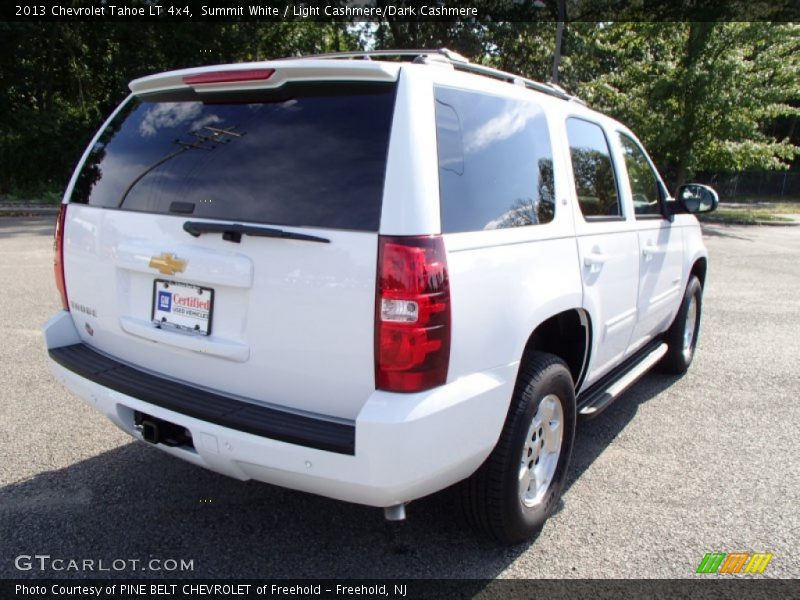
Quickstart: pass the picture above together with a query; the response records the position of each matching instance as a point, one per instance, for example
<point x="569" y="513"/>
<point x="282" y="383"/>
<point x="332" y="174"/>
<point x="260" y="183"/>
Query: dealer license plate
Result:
<point x="182" y="306"/>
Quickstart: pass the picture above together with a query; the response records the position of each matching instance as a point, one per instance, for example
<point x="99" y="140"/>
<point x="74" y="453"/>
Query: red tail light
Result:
<point x="229" y="76"/>
<point x="58" y="250"/>
<point x="412" y="321"/>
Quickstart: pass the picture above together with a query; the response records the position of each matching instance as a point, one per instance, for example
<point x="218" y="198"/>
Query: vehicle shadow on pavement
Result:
<point x="724" y="231"/>
<point x="593" y="436"/>
<point x="133" y="502"/>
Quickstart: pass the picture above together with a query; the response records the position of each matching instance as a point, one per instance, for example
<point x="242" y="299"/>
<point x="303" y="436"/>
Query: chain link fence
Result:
<point x="754" y="186"/>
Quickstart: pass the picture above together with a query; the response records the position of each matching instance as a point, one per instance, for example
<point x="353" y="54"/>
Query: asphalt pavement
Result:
<point x="676" y="468"/>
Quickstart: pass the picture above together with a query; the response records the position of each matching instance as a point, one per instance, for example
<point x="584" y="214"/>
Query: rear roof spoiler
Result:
<point x="284" y="70"/>
<point x="348" y="66"/>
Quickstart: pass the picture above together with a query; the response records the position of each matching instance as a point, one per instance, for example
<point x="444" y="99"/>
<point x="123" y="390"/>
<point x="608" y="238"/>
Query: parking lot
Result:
<point x="676" y="468"/>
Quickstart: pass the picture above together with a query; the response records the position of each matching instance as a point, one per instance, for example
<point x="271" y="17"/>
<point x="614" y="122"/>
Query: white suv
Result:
<point x="371" y="279"/>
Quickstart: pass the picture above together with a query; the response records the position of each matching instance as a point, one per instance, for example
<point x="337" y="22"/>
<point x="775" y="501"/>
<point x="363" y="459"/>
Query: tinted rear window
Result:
<point x="495" y="162"/>
<point x="304" y="155"/>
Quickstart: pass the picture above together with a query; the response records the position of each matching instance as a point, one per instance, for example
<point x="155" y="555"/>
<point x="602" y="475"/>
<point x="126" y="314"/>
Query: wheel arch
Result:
<point x="568" y="335"/>
<point x="699" y="268"/>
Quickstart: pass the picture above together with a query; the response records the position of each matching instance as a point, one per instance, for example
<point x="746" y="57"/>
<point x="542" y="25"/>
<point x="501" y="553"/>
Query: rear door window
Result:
<point x="595" y="181"/>
<point x="495" y="161"/>
<point x="304" y="155"/>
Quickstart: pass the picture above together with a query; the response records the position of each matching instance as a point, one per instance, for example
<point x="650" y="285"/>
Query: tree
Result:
<point x="700" y="95"/>
<point x="55" y="93"/>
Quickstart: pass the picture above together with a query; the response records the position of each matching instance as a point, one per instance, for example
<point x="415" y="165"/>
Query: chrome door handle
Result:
<point x="594" y="259"/>
<point x="651" y="250"/>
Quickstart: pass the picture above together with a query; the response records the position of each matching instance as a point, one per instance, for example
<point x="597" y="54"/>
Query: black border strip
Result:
<point x="393" y="11"/>
<point x="730" y="587"/>
<point x="303" y="430"/>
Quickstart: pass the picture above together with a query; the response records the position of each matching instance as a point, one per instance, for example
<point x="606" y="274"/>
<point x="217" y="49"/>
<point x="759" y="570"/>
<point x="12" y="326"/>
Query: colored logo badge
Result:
<point x="164" y="301"/>
<point x="735" y="562"/>
<point x="168" y="264"/>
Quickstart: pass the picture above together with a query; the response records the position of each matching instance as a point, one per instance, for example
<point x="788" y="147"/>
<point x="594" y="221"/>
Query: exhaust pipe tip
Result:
<point x="395" y="513"/>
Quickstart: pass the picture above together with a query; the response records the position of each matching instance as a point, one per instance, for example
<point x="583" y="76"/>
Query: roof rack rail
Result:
<point x="545" y="88"/>
<point x="459" y="63"/>
<point x="368" y="54"/>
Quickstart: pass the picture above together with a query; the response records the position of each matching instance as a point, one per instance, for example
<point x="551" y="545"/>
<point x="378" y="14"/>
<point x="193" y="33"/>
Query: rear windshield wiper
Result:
<point x="232" y="232"/>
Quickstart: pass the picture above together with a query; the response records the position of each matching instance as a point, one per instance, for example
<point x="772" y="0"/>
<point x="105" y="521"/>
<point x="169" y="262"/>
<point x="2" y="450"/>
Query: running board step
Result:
<point x="598" y="401"/>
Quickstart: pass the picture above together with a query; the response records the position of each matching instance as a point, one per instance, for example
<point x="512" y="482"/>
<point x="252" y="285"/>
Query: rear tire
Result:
<point x="684" y="331"/>
<point x="517" y="488"/>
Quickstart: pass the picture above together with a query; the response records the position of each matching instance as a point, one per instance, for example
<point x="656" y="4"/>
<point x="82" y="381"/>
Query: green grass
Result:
<point x="746" y="216"/>
<point x="786" y="208"/>
<point x="763" y="199"/>
<point x="46" y="197"/>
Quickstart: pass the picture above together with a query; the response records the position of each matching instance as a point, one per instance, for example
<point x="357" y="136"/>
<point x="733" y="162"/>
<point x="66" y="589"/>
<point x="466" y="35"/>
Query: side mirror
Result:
<point x="697" y="198"/>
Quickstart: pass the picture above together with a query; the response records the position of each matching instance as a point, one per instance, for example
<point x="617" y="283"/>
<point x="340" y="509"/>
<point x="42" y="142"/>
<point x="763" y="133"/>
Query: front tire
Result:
<point x="516" y="489"/>
<point x="682" y="335"/>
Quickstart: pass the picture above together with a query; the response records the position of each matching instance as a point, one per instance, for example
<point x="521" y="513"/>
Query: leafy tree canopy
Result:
<point x="701" y="96"/>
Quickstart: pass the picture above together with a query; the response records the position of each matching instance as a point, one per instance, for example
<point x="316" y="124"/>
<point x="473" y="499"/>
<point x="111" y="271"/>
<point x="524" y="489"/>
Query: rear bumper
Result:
<point x="306" y="430"/>
<point x="400" y="447"/>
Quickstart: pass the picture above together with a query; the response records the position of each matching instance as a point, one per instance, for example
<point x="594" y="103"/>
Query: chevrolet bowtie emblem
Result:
<point x="168" y="264"/>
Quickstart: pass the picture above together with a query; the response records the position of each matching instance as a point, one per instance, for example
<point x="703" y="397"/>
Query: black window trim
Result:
<point x="598" y="218"/>
<point x="602" y="218"/>
<point x="659" y="183"/>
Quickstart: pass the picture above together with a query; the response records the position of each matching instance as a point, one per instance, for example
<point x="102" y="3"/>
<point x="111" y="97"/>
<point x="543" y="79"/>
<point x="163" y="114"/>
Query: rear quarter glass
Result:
<point x="305" y="155"/>
<point x="495" y="161"/>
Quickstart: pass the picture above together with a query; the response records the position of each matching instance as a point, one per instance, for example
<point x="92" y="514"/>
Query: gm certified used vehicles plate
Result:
<point x="183" y="306"/>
